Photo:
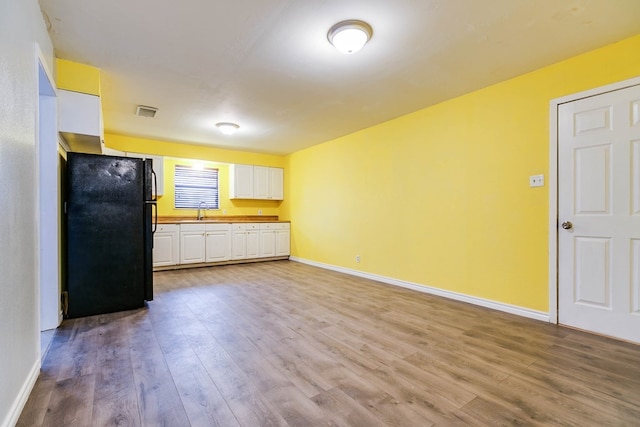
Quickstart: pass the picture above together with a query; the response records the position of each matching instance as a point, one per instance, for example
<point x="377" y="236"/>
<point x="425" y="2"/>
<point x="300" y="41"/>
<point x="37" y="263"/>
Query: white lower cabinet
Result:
<point x="283" y="239"/>
<point x="165" y="245"/>
<point x="192" y="243"/>
<point x="253" y="244"/>
<point x="238" y="241"/>
<point x="206" y="242"/>
<point x="275" y="239"/>
<point x="267" y="240"/>
<point x="244" y="240"/>
<point x="218" y="242"/>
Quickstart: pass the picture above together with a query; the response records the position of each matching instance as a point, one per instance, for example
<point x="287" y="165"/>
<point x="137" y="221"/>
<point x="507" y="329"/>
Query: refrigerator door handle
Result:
<point x="154" y="196"/>
<point x="155" y="218"/>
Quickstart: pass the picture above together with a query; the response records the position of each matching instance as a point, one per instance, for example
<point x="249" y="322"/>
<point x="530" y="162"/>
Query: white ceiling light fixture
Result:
<point x="350" y="36"/>
<point x="227" y="128"/>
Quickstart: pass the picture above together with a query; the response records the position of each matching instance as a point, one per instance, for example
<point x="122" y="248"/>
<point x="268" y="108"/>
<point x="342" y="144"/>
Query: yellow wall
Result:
<point x="184" y="154"/>
<point x="441" y="197"/>
<point x="85" y="78"/>
<point x="77" y="77"/>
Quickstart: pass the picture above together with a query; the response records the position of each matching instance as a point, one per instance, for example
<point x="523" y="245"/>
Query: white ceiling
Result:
<point x="267" y="64"/>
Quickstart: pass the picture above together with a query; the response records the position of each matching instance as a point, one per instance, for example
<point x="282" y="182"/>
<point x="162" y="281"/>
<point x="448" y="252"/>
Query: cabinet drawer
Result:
<point x="238" y="227"/>
<point x="167" y="228"/>
<point x="275" y="226"/>
<point x="252" y="226"/>
<point x="192" y="227"/>
<point x="217" y="227"/>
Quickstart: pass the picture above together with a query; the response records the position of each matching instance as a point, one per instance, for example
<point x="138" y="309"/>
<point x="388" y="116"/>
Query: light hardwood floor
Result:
<point x="286" y="344"/>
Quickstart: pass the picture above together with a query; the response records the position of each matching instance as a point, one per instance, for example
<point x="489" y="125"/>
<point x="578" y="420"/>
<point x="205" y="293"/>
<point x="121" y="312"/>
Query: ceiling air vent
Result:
<point x="144" y="111"/>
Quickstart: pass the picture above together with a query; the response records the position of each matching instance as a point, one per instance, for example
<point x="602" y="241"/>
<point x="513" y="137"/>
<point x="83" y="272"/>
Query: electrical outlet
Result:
<point x="536" y="181"/>
<point x="224" y="211"/>
<point x="358" y="259"/>
<point x="259" y="211"/>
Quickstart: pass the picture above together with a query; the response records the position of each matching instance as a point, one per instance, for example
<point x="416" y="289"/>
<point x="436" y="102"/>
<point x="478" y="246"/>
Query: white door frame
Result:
<point x="46" y="203"/>
<point x="553" y="182"/>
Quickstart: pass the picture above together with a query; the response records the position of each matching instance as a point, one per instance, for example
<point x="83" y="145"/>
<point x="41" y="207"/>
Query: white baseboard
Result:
<point x="18" y="404"/>
<point x="507" y="308"/>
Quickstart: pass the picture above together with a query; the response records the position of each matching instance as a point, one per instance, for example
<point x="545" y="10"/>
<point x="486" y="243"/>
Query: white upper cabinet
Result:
<point x="80" y="121"/>
<point x="241" y="182"/>
<point x="276" y="184"/>
<point x="111" y="152"/>
<point x="260" y="182"/>
<point x="256" y="182"/>
<point x="158" y="168"/>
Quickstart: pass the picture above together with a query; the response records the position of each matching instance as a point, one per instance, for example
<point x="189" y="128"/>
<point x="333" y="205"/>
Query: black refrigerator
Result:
<point x="110" y="219"/>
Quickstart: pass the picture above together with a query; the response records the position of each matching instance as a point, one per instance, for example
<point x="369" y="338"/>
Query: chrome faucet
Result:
<point x="206" y="207"/>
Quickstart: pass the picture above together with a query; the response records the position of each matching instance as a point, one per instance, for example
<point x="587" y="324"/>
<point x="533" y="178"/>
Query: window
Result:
<point x="194" y="186"/>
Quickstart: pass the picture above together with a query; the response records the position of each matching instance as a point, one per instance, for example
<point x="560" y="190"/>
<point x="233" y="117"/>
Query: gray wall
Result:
<point x="21" y="26"/>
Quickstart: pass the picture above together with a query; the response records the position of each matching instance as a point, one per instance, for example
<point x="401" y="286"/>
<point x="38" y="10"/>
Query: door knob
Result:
<point x="567" y="225"/>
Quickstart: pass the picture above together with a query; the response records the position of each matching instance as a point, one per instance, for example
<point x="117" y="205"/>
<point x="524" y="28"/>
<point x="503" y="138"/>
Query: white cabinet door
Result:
<point x="256" y="182"/>
<point x="253" y="240"/>
<point x="165" y="246"/>
<point x="276" y="184"/>
<point x="245" y="240"/>
<point x="158" y="168"/>
<point x="283" y="239"/>
<point x="238" y="241"/>
<point x="80" y="121"/>
<point x="218" y="242"/>
<point x="267" y="240"/>
<point x="241" y="182"/>
<point x="207" y="242"/>
<point x="260" y="182"/>
<point x="192" y="243"/>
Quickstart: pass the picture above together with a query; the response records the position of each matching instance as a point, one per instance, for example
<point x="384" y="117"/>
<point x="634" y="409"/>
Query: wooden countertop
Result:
<point x="218" y="219"/>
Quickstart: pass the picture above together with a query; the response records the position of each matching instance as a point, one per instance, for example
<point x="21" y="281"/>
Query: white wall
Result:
<point x="21" y="26"/>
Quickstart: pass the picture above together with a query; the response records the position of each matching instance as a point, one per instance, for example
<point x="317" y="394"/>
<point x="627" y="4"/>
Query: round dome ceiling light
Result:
<point x="350" y="36"/>
<point x="227" y="128"/>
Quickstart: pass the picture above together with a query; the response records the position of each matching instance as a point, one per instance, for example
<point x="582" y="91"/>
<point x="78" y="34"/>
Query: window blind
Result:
<point x="194" y="186"/>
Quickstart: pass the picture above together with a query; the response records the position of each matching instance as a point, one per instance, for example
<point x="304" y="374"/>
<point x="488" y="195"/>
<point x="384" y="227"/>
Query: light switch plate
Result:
<point x="536" y="181"/>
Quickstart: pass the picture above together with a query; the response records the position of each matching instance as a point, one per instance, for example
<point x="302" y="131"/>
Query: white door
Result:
<point x="599" y="214"/>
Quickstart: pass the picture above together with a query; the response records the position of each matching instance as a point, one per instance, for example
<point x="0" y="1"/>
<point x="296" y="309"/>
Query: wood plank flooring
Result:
<point x="286" y="344"/>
